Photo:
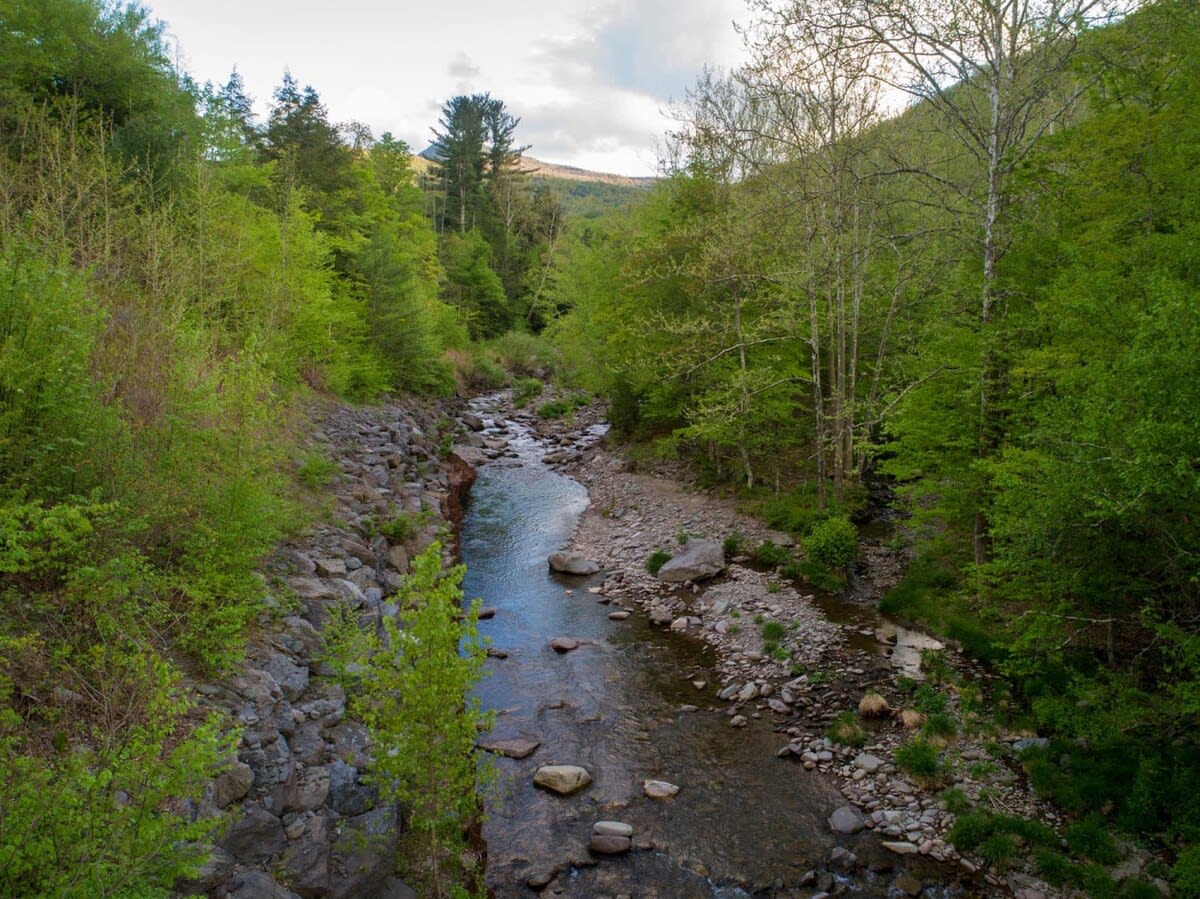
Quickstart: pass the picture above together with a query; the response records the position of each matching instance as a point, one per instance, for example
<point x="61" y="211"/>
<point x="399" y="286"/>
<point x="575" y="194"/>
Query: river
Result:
<point x="622" y="706"/>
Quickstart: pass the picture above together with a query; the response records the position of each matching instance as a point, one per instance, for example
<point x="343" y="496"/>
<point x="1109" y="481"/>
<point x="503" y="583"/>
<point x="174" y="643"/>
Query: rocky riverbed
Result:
<point x="306" y="822"/>
<point x="827" y="660"/>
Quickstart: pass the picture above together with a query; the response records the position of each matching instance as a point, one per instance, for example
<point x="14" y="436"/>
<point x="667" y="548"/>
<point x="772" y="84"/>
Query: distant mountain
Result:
<point x="554" y="170"/>
<point x="571" y="173"/>
<point x="584" y="194"/>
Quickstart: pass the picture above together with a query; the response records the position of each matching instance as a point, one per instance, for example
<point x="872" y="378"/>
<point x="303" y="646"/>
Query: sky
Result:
<point x="591" y="80"/>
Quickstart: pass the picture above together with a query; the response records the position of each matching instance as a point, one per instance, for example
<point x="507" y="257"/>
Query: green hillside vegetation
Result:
<point x="991" y="299"/>
<point x="820" y="294"/>
<point x="176" y="279"/>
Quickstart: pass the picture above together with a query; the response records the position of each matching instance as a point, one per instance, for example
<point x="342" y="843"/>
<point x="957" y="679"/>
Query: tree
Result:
<point x="799" y="121"/>
<point x="309" y="151"/>
<point x="461" y="160"/>
<point x="993" y="71"/>
<point x="414" y="695"/>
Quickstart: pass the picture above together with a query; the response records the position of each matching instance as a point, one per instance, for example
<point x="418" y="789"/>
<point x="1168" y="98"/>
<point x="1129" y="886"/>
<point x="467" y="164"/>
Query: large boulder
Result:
<point x="565" y="564"/>
<point x="699" y="559"/>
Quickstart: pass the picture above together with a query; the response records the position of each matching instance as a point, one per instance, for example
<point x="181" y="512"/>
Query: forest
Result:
<point x="954" y="255"/>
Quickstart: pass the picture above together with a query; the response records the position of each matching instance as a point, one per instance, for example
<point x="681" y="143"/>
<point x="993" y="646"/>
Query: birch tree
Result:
<point x="993" y="71"/>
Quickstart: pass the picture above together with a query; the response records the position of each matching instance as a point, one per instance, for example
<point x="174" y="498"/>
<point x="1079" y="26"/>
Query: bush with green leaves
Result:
<point x="773" y="631"/>
<point x="998" y="838"/>
<point x="833" y="543"/>
<point x="846" y="729"/>
<point x="524" y="391"/>
<point x="105" y="820"/>
<point x="1091" y="840"/>
<point x="1185" y="874"/>
<point x="920" y="759"/>
<point x="657" y="560"/>
<point x="413" y="690"/>
<point x="767" y="553"/>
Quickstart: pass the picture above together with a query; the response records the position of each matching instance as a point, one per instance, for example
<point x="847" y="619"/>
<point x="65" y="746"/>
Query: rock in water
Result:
<point x="699" y="559"/>
<point x="846" y="819"/>
<point x="564" y="644"/>
<point x="562" y="779"/>
<point x="660" y="789"/>
<point x="565" y="564"/>
<point x="518" y="748"/>
<point x="609" y="845"/>
<point x="612" y="829"/>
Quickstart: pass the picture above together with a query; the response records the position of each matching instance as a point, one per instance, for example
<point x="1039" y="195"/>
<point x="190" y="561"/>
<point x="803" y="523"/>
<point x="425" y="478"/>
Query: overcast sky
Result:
<point x="589" y="79"/>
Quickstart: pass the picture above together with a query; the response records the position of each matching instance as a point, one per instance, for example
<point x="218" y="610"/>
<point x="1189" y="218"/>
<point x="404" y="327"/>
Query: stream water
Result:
<point x="744" y="822"/>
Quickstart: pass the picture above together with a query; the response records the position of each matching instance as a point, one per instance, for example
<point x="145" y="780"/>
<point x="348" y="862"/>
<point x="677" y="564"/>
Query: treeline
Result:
<point x="176" y="278"/>
<point x="990" y="297"/>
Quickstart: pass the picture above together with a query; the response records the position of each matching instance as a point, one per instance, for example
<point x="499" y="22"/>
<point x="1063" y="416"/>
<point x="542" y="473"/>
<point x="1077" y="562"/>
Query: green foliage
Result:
<point x="405" y="526"/>
<point x="833" y="543"/>
<point x="657" y="560"/>
<point x="939" y="725"/>
<point x="920" y="759"/>
<point x="956" y="801"/>
<point x="315" y="471"/>
<point x="562" y="406"/>
<point x="1055" y="868"/>
<point x="846" y="729"/>
<point x="997" y="838"/>
<point x="1089" y="839"/>
<point x="524" y="390"/>
<point x="1185" y="875"/>
<point x="473" y="287"/>
<point x="773" y="631"/>
<point x="927" y="699"/>
<point x="414" y="694"/>
<point x="733" y="545"/>
<point x="104" y="820"/>
<point x="767" y="553"/>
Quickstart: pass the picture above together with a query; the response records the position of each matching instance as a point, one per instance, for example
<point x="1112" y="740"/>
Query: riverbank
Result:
<point x="306" y="822"/>
<point x="828" y="657"/>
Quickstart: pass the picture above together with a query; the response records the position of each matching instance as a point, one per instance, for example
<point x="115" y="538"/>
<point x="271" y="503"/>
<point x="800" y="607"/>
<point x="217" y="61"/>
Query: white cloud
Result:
<point x="587" y="77"/>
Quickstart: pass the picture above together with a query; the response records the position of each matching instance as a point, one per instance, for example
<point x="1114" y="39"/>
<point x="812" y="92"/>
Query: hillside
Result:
<point x="583" y="193"/>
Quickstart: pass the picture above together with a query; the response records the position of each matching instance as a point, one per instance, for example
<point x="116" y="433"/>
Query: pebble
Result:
<point x="660" y="789"/>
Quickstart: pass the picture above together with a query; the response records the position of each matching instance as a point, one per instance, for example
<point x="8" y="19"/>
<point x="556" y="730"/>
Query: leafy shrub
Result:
<point x="957" y="802"/>
<point x="939" y="725"/>
<point x="524" y="390"/>
<point x="316" y="471"/>
<point x="405" y="526"/>
<point x="833" y="543"/>
<point x="657" y="560"/>
<point x="972" y="829"/>
<point x="733" y="545"/>
<point x="1089" y="839"/>
<point x="773" y="631"/>
<point x="847" y="730"/>
<point x="522" y="354"/>
<point x="480" y="371"/>
<point x="1185" y="875"/>
<point x="920" y="759"/>
<point x="929" y="700"/>
<point x="813" y="573"/>
<point x="767" y="553"/>
<point x="562" y="406"/>
<point x="106" y="821"/>
<point x="1056" y="869"/>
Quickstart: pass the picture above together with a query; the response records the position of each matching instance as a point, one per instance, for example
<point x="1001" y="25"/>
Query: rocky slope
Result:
<point x="305" y="823"/>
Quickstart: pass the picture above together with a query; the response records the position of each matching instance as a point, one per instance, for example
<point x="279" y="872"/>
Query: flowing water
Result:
<point x="744" y="821"/>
